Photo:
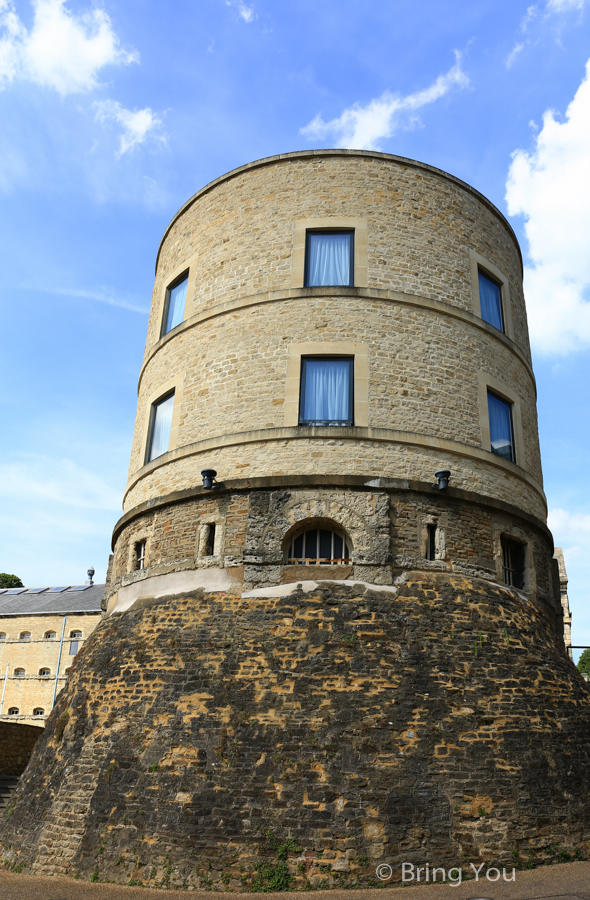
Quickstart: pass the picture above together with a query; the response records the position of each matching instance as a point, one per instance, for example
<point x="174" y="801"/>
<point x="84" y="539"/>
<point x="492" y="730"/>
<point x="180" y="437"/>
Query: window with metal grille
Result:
<point x="513" y="563"/>
<point x="318" y="546"/>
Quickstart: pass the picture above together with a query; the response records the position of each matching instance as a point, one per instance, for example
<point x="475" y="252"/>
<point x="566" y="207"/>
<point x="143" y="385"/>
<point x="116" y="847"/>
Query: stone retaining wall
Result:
<point x="212" y="740"/>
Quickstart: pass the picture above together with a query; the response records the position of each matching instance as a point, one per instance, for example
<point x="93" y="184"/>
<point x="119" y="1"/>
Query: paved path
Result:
<point x="564" y="882"/>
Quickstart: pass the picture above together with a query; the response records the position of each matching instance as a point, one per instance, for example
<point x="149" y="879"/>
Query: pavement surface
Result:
<point x="570" y="881"/>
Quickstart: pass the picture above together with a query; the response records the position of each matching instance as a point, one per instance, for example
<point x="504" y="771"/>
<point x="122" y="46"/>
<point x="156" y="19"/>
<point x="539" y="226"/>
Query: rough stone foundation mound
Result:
<point x="210" y="740"/>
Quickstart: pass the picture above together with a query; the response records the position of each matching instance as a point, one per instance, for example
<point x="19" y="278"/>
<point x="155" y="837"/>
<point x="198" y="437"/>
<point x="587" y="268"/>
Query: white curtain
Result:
<point x="161" y="427"/>
<point x="327" y="390"/>
<point x="500" y="427"/>
<point x="490" y="302"/>
<point x="176" y="301"/>
<point x="329" y="259"/>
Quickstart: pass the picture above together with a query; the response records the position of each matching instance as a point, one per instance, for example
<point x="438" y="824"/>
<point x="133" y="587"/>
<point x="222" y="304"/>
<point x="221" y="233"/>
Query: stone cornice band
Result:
<point x="357" y="482"/>
<point x="385" y="296"/>
<point x="367" y="154"/>
<point x="305" y="432"/>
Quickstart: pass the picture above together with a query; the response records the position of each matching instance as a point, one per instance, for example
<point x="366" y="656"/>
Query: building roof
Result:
<point x="76" y="598"/>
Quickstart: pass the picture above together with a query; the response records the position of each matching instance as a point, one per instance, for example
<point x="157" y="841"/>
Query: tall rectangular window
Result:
<point x="329" y="258"/>
<point x="161" y="426"/>
<point x="513" y="561"/>
<point x="490" y="301"/>
<point x="175" y="302"/>
<point x="326" y="396"/>
<point x="501" y="433"/>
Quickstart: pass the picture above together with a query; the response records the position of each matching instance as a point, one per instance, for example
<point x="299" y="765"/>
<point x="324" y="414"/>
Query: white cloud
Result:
<point x="516" y="51"/>
<point x="138" y="126"/>
<point x="61" y="50"/>
<point x="101" y="295"/>
<point x="363" y="127"/>
<point x="572" y="532"/>
<point x="59" y="480"/>
<point x="246" y="12"/>
<point x="551" y="188"/>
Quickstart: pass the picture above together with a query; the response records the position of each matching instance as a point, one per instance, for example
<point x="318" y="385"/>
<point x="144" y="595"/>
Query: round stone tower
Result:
<point x="328" y="330"/>
<point x="333" y="643"/>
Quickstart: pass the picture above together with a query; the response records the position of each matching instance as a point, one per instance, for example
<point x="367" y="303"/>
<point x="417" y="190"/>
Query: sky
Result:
<point x="113" y="114"/>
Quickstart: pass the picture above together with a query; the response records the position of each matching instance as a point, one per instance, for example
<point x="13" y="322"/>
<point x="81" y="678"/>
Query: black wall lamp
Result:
<point x="442" y="479"/>
<point x="208" y="478"/>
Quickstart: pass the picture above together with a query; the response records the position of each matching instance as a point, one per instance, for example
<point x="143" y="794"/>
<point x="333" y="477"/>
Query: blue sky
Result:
<point x="112" y="115"/>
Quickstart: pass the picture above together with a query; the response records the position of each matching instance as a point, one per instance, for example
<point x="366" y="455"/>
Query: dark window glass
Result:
<point x="501" y="437"/>
<point x="490" y="301"/>
<point x="322" y="545"/>
<point x="431" y="543"/>
<point x="311" y="544"/>
<point x="175" y="302"/>
<point x="329" y="258"/>
<point x="326" y="391"/>
<point x="513" y="563"/>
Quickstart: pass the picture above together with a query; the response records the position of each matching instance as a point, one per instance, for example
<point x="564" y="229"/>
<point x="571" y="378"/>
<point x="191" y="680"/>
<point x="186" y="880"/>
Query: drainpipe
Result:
<point x="61" y="643"/>
<point x="4" y="689"/>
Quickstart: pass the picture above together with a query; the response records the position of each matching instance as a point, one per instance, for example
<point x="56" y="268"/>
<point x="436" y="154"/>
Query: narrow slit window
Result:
<point x="161" y="427"/>
<point x="175" y="303"/>
<point x="501" y="431"/>
<point x="329" y="258"/>
<point x="140" y="555"/>
<point x="326" y="391"/>
<point x="209" y="540"/>
<point x="513" y="559"/>
<point x="490" y="301"/>
<point x="431" y="542"/>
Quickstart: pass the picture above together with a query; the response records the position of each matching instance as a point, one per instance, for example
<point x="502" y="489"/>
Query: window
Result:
<point x="50" y="635"/>
<point x="501" y="434"/>
<point x="19" y="673"/>
<point x="75" y="634"/>
<point x="513" y="562"/>
<point x="326" y="546"/>
<point x="38" y="711"/>
<point x="44" y="673"/>
<point x="326" y="396"/>
<point x="174" y="306"/>
<point x="140" y="555"/>
<point x="13" y="711"/>
<point x="431" y="542"/>
<point x="329" y="258"/>
<point x="25" y="636"/>
<point x="490" y="301"/>
<point x="73" y="648"/>
<point x="208" y="540"/>
<point x="2" y="635"/>
<point x="161" y="426"/>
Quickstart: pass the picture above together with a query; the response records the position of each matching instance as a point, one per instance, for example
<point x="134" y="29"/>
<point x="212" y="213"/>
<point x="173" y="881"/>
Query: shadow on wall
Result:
<point x="16" y="745"/>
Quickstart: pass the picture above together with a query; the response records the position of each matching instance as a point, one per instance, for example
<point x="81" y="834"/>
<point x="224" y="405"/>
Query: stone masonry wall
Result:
<point x="387" y="530"/>
<point x="218" y="741"/>
<point x="422" y="378"/>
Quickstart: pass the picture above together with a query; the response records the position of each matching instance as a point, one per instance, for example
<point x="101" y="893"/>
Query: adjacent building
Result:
<point x="41" y="630"/>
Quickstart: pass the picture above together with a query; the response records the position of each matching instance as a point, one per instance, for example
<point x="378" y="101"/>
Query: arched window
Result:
<point x="13" y="711"/>
<point x="44" y="672"/>
<point x="313" y="544"/>
<point x="50" y="635"/>
<point x="19" y="673"/>
<point x="25" y="635"/>
<point x="75" y="634"/>
<point x="2" y="635"/>
<point x="38" y="711"/>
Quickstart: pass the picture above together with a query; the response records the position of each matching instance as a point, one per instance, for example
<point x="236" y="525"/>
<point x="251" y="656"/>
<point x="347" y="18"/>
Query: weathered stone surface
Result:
<point x="198" y="733"/>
